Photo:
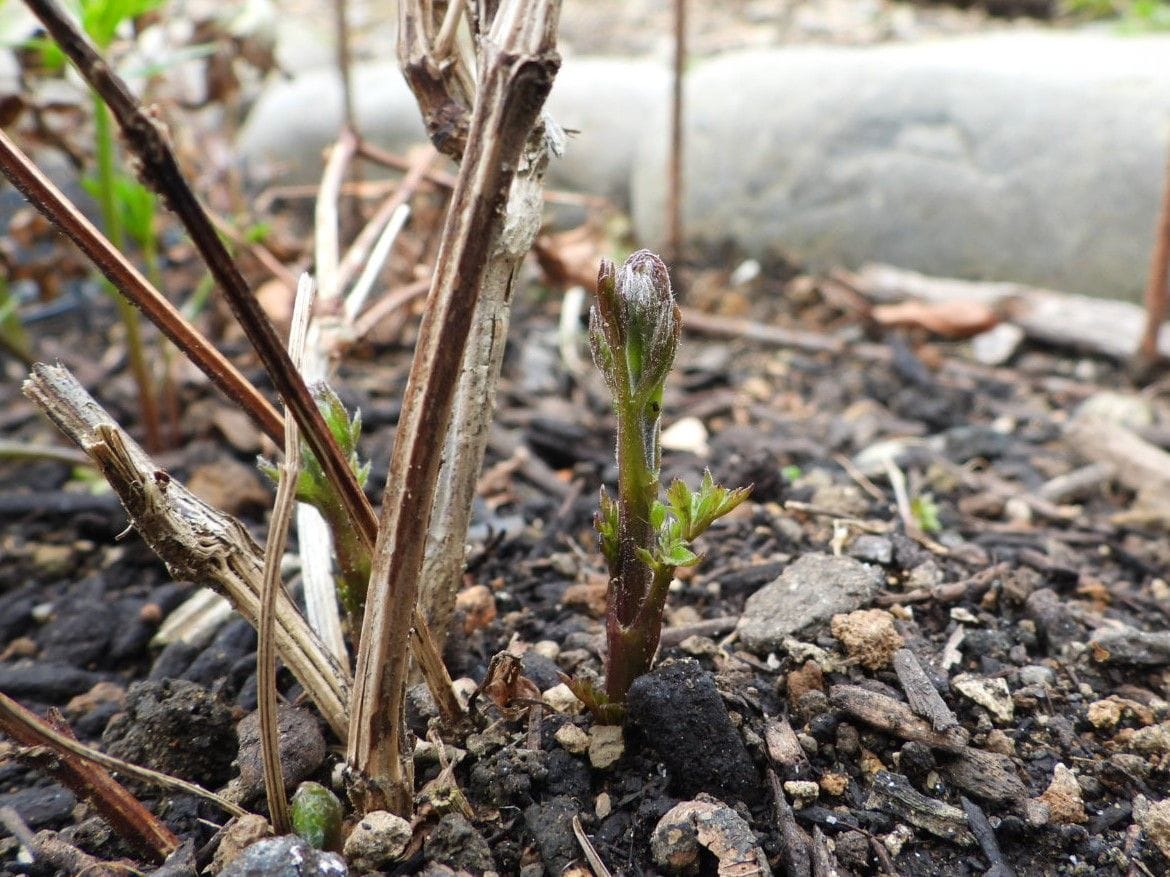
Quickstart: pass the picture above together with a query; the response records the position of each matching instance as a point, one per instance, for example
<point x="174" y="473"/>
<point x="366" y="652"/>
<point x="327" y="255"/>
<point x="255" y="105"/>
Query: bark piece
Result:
<point x="892" y="793"/>
<point x="895" y="718"/>
<point x="920" y="691"/>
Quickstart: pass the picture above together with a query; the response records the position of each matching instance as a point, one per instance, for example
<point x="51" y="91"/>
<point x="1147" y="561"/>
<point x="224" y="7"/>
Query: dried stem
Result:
<point x="87" y="779"/>
<point x="16" y="722"/>
<point x="197" y="542"/>
<point x="144" y="135"/>
<point x="1146" y="356"/>
<point x="475" y="398"/>
<point x="282" y="510"/>
<point x="116" y="268"/>
<point x="517" y="70"/>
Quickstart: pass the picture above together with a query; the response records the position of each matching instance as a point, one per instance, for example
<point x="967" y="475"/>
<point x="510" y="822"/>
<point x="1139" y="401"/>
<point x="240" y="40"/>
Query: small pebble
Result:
<point x="572" y="739"/>
<point x="376" y="841"/>
<point x="606" y="745"/>
<point x="802" y="792"/>
<point x="561" y="699"/>
<point x="602" y="805"/>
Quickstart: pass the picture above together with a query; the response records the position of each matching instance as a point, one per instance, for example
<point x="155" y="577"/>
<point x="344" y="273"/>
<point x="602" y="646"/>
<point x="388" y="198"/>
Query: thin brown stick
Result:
<point x="730" y="327"/>
<point x="383" y="307"/>
<point x="359" y="250"/>
<point x="116" y="268"/>
<point x="378" y="155"/>
<point x="674" y="175"/>
<point x="517" y="70"/>
<point x="1156" y="286"/>
<point x="14" y="715"/>
<point x="145" y="136"/>
<point x="87" y="780"/>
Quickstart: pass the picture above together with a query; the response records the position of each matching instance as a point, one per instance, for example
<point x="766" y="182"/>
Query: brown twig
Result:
<point x="88" y="780"/>
<point x="282" y="509"/>
<point x="116" y="268"/>
<point x="145" y="136"/>
<point x="15" y="715"/>
<point x="674" y="175"/>
<point x="1146" y="356"/>
<point x="516" y="75"/>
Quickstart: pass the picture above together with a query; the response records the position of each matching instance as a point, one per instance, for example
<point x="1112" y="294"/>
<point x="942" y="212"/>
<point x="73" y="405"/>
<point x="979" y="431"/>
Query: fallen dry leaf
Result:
<point x="950" y="319"/>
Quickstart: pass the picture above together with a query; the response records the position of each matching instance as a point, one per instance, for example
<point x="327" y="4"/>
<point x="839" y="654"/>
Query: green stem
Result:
<point x="126" y="311"/>
<point x="631" y="631"/>
<point x="353" y="568"/>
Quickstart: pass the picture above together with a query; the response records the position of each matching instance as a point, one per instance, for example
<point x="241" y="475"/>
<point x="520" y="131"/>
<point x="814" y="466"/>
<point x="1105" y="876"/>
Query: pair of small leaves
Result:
<point x="696" y="511"/>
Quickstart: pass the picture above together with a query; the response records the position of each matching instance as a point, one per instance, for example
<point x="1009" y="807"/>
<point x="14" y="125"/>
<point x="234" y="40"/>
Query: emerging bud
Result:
<point x="635" y="323"/>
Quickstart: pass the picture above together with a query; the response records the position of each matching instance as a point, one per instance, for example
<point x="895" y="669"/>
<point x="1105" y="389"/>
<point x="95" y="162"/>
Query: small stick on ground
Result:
<point x="88" y="780"/>
<point x="16" y="721"/>
<point x="1146" y="356"/>
<point x="674" y="177"/>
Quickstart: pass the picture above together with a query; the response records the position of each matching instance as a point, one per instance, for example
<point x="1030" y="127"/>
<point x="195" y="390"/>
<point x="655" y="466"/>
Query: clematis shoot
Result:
<point x="634" y="332"/>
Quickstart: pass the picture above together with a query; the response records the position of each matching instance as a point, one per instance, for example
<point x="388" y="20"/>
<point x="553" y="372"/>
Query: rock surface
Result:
<point x="809" y="592"/>
<point x="287" y="856"/>
<point x="176" y="727"/>
<point x="602" y="102"/>
<point x="1026" y="156"/>
<point x="377" y="840"/>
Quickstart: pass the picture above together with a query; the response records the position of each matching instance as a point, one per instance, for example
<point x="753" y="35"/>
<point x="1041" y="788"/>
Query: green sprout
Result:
<point x="924" y="510"/>
<point x="313" y="488"/>
<point x="634" y="332"/>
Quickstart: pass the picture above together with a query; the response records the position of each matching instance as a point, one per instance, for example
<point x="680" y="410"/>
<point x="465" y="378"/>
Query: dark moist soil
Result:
<point x="1059" y="752"/>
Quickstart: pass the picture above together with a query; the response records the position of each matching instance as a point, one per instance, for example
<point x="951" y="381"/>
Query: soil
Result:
<point x="996" y="702"/>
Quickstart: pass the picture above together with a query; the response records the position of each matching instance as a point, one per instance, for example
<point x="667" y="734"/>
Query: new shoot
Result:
<point x="633" y="333"/>
<point x="314" y="488"/>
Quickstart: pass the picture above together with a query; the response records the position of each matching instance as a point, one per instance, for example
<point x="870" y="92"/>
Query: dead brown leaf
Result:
<point x="950" y="319"/>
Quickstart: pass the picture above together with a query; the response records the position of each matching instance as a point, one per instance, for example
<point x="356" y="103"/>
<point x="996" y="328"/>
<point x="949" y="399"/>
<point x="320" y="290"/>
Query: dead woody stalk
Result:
<point x="517" y="64"/>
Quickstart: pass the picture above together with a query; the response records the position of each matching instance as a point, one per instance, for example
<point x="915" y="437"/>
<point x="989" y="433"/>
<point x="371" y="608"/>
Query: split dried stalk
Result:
<point x="282" y="509"/>
<point x="86" y="779"/>
<point x="517" y="68"/>
<point x="197" y="542"/>
<point x="479" y="376"/>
